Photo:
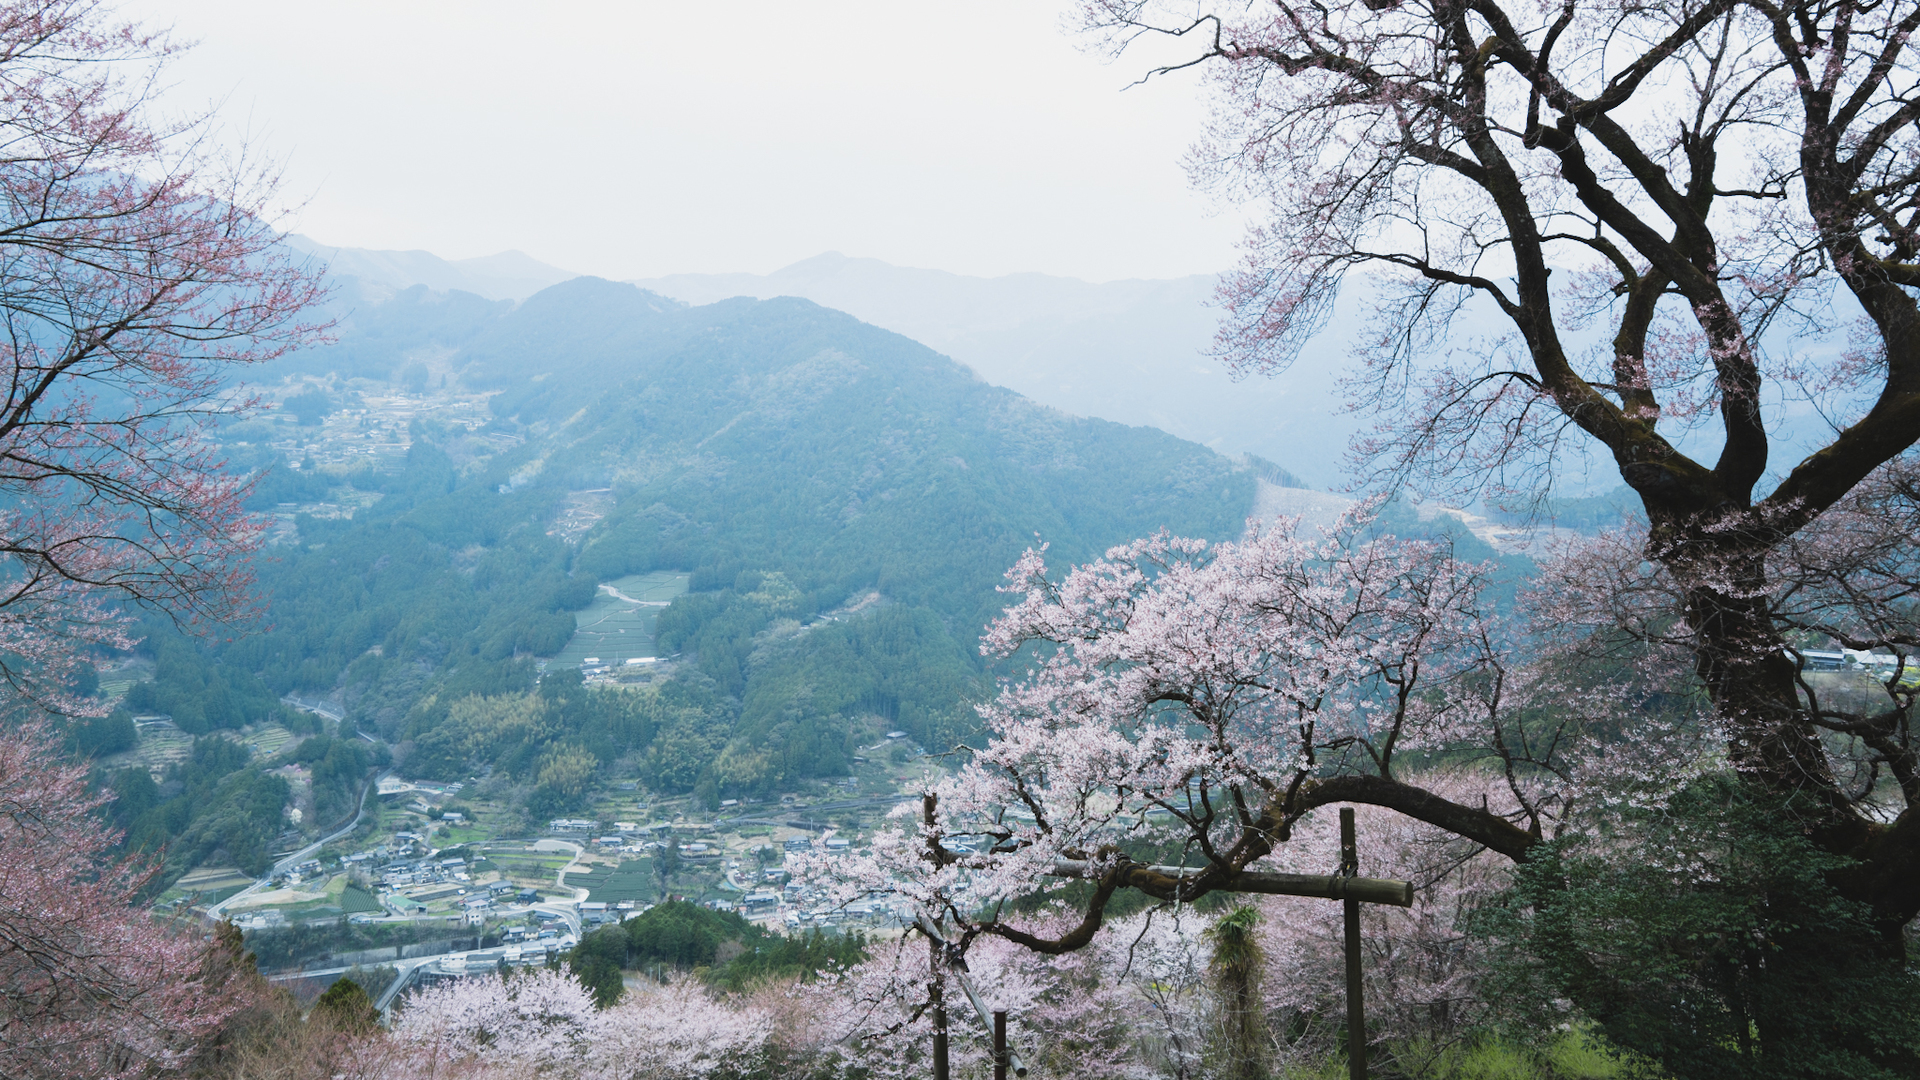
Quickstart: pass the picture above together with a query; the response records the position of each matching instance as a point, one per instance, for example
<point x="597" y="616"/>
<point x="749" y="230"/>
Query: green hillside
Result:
<point x="826" y="507"/>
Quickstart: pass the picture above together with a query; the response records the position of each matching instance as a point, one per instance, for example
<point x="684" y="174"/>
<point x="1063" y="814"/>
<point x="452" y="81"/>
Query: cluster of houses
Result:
<point x="1882" y="665"/>
<point x="405" y="874"/>
<point x="630" y="838"/>
<point x="303" y="871"/>
<point x="403" y="847"/>
<point x="478" y="906"/>
<point x="595" y="669"/>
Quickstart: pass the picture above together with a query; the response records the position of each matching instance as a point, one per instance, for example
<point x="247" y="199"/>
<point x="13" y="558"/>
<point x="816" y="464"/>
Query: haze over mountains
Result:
<point x="456" y="481"/>
<point x="509" y="275"/>
<point x="1133" y="351"/>
<point x="1128" y="351"/>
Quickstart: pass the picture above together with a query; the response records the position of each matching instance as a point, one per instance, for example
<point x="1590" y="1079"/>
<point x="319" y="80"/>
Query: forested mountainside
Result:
<point x="777" y="461"/>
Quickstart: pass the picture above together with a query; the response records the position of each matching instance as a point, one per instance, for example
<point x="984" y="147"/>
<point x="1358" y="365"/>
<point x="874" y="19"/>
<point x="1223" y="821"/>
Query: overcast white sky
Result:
<point x="645" y="138"/>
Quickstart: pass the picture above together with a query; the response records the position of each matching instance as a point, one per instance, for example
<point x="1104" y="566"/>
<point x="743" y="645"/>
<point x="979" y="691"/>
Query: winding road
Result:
<point x="217" y="911"/>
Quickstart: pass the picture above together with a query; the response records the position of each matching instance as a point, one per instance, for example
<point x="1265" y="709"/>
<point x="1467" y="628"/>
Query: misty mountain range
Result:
<point x="509" y="275"/>
<point x="1133" y="352"/>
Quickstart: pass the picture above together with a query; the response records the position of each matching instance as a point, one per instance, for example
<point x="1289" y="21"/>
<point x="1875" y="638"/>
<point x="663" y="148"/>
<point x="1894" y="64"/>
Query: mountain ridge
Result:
<point x="504" y="275"/>
<point x="1133" y="351"/>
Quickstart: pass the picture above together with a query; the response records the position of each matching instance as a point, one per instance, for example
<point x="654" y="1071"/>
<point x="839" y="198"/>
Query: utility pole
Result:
<point x="999" y="1044"/>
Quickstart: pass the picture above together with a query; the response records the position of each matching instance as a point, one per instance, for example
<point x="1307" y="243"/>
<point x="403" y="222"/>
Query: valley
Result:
<point x="621" y="599"/>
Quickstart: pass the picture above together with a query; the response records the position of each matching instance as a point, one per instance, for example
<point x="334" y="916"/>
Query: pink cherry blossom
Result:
<point x="95" y="986"/>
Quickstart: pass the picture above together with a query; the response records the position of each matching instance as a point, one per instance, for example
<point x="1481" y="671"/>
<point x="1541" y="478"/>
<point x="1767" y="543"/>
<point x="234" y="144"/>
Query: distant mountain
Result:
<point x="1129" y="351"/>
<point x="509" y="275"/>
<point x="1133" y="352"/>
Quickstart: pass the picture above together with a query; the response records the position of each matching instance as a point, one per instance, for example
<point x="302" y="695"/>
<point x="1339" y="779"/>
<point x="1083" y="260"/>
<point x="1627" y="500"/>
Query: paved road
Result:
<point x="217" y="911"/>
<point x="477" y="960"/>
<point x="566" y="909"/>
<point x="308" y="707"/>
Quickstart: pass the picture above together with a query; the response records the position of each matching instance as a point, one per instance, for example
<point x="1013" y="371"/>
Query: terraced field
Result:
<point x="158" y="748"/>
<point x="619" y="624"/>
<point x="161" y="746"/>
<point x="209" y="884"/>
<point x="268" y="739"/>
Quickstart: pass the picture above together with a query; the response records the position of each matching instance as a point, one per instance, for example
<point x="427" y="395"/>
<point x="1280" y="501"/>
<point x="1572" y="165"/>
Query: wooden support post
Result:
<point x="938" y="943"/>
<point x="999" y="1044"/>
<point x="1356" y="1014"/>
<point x="940" y="1042"/>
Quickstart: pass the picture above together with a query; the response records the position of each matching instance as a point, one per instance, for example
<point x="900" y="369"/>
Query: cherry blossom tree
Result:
<point x="1188" y="708"/>
<point x="94" y="985"/>
<point x="138" y="270"/>
<point x="1204" y="698"/>
<point x="1132" y="1007"/>
<point x="542" y="1020"/>
<point x="545" y="1022"/>
<point x="1685" y="183"/>
<point x="678" y="1031"/>
<point x="1191" y="710"/>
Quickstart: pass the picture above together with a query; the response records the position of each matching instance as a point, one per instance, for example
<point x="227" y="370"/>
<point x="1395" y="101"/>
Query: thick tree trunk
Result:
<point x="1743" y="663"/>
<point x="1741" y="658"/>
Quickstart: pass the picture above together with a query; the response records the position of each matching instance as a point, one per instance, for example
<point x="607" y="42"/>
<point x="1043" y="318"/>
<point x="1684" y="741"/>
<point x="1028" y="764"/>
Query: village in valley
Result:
<point x="424" y="866"/>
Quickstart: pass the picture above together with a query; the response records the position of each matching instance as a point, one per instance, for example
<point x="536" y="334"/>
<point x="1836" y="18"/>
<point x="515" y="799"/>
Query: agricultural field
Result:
<point x="158" y="747"/>
<point x="477" y="832"/>
<point x="619" y="624"/>
<point x="117" y="678"/>
<point x="208" y="884"/>
<point x="631" y="880"/>
<point x="267" y="739"/>
<point x="529" y="868"/>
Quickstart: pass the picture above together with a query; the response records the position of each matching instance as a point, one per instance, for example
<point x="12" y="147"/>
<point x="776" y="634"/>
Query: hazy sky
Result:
<point x="643" y="138"/>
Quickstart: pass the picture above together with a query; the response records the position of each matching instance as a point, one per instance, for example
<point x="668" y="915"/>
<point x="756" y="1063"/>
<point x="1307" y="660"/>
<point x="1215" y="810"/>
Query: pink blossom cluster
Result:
<point x="1205" y="696"/>
<point x="1422" y="970"/>
<point x="1134" y="1007"/>
<point x="95" y="986"/>
<point x="545" y="1023"/>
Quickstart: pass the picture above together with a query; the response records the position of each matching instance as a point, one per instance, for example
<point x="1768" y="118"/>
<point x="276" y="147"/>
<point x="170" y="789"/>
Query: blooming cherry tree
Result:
<point x="542" y="1020"/>
<point x="94" y="985"/>
<point x="1650" y="201"/>
<point x="138" y="269"/>
<point x="678" y="1031"/>
<point x="1132" y="1006"/>
<point x="1203" y="699"/>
